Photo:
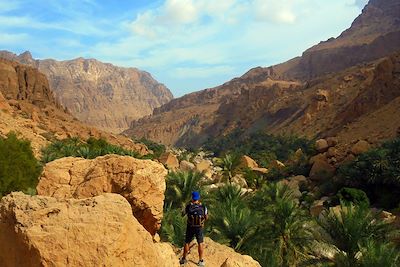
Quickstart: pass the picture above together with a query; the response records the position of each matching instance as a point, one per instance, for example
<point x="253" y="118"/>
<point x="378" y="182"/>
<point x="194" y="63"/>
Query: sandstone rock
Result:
<point x="4" y="106"/>
<point x="317" y="207"/>
<point x="141" y="182"/>
<point x="247" y="162"/>
<point x="203" y="166"/>
<point x="169" y="160"/>
<point x="260" y="170"/>
<point x="277" y="165"/>
<point x="318" y="157"/>
<point x="332" y="152"/>
<point x="220" y="255"/>
<point x="321" y="171"/>
<point x="185" y="165"/>
<point x="360" y="147"/>
<point x="321" y="145"/>
<point x="332" y="141"/>
<point x="97" y="231"/>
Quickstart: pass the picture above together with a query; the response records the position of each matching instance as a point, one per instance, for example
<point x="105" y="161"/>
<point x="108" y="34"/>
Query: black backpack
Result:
<point x="196" y="215"/>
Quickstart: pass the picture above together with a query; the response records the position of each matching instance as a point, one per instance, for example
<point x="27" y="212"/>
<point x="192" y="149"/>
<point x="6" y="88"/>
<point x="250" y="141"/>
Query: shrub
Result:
<point x="376" y="172"/>
<point x="19" y="169"/>
<point x="352" y="195"/>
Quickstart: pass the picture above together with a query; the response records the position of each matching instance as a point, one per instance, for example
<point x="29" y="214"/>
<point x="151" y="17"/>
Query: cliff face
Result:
<point x="97" y="93"/>
<point x="342" y="82"/>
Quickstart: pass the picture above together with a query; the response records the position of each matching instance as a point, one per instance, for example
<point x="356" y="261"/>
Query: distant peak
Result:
<point x="26" y="55"/>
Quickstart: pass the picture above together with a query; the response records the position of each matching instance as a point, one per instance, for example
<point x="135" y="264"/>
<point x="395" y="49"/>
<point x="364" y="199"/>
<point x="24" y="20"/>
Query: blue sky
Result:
<point x="186" y="44"/>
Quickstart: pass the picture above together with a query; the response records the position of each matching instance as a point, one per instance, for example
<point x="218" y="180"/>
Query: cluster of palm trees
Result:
<point x="270" y="225"/>
<point x="90" y="149"/>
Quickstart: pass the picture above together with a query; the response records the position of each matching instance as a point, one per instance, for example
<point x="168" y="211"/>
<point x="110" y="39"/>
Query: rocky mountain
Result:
<point x="100" y="94"/>
<point x="28" y="107"/>
<point x="346" y="86"/>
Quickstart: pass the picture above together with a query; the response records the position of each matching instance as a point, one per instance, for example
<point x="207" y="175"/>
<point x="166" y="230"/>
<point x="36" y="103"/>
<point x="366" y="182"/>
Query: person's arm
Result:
<point x="205" y="213"/>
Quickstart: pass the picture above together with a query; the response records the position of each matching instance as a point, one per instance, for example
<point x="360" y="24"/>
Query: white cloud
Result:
<point x="274" y="11"/>
<point x="13" y="39"/>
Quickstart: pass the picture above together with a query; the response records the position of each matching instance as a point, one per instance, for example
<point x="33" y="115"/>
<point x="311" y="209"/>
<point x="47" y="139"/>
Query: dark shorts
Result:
<point x="192" y="232"/>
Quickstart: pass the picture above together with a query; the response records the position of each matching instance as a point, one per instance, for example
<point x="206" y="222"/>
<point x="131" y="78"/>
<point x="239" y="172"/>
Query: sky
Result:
<point x="188" y="45"/>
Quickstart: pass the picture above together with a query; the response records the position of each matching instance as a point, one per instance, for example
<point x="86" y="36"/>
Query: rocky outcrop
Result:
<point x="220" y="255"/>
<point x="169" y="160"/>
<point x="141" y="182"/>
<point x="20" y="82"/>
<point x="100" y="94"/>
<point x="98" y="231"/>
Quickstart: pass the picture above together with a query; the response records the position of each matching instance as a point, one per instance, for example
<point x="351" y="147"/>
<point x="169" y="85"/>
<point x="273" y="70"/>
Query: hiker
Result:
<point x="196" y="216"/>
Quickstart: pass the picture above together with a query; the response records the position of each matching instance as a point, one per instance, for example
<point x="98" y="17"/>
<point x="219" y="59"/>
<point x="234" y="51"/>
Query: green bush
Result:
<point x="19" y="169"/>
<point x="351" y="195"/>
<point x="376" y="172"/>
<point x="157" y="148"/>
<point x="74" y="147"/>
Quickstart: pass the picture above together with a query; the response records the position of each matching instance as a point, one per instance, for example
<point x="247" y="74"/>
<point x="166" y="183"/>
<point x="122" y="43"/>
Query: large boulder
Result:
<point x="220" y="256"/>
<point x="321" y="170"/>
<point x="98" y="231"/>
<point x="141" y="182"/>
<point x="360" y="147"/>
<point x="204" y="166"/>
<point x="169" y="160"/>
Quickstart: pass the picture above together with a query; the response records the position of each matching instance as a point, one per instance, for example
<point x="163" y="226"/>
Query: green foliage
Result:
<point x="350" y="229"/>
<point x="74" y="147"/>
<point x="253" y="179"/>
<point x="180" y="186"/>
<point x="229" y="164"/>
<point x="379" y="254"/>
<point x="260" y="146"/>
<point x="157" y="148"/>
<point x="19" y="169"/>
<point x="173" y="226"/>
<point x="353" y="195"/>
<point x="376" y="172"/>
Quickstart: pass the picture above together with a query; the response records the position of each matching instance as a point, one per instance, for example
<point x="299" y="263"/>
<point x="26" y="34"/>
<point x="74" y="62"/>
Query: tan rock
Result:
<point x="332" y="152"/>
<point x="321" y="170"/>
<point x="203" y="166"/>
<point x="332" y="141"/>
<point x="185" y="165"/>
<point x="220" y="255"/>
<point x="97" y="231"/>
<point x="141" y="182"/>
<point x="260" y="170"/>
<point x="360" y="147"/>
<point x="247" y="162"/>
<point x="169" y="160"/>
<point x="277" y="165"/>
<point x="4" y="106"/>
<point x="321" y="145"/>
<point x="318" y="157"/>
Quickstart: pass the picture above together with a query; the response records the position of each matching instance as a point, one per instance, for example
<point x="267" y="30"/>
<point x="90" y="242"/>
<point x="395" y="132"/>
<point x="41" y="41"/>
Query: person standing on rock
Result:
<point x="196" y="214"/>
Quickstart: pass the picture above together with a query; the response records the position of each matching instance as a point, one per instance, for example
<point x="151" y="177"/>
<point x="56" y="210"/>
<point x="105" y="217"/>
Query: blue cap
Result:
<point x="195" y="195"/>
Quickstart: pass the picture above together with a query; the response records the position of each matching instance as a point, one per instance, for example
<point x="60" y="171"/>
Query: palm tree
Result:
<point x="233" y="225"/>
<point x="173" y="226"/>
<point x="229" y="193"/>
<point x="348" y="229"/>
<point x="379" y="254"/>
<point x="180" y="185"/>
<point x="286" y="229"/>
<point x="229" y="164"/>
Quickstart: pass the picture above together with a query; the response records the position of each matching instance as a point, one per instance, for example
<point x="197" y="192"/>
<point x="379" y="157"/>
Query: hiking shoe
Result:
<point x="201" y="263"/>
<point x="182" y="261"/>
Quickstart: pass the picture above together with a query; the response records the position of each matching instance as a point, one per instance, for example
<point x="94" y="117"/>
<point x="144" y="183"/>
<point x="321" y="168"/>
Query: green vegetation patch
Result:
<point x="19" y="169"/>
<point x="74" y="147"/>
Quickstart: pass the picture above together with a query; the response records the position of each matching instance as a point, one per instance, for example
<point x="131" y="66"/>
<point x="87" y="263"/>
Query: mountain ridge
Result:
<point x="90" y="89"/>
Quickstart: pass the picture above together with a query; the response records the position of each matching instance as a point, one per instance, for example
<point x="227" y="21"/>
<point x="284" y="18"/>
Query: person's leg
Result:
<point x="188" y="238"/>
<point x="185" y="250"/>
<point x="200" y="248"/>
